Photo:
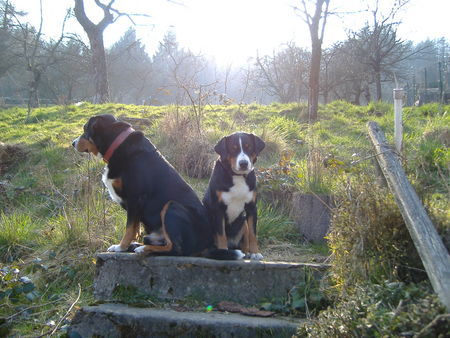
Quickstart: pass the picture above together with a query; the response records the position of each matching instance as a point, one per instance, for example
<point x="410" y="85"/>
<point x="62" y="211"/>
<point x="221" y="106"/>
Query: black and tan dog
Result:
<point x="231" y="196"/>
<point x="152" y="192"/>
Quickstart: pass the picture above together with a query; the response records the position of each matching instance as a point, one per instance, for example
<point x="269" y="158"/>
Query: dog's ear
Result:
<point x="221" y="147"/>
<point x="259" y="144"/>
<point x="119" y="125"/>
<point x="105" y="122"/>
<point x="92" y="126"/>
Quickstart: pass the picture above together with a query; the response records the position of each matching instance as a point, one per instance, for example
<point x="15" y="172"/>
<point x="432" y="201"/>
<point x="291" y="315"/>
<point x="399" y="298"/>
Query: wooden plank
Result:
<point x="429" y="245"/>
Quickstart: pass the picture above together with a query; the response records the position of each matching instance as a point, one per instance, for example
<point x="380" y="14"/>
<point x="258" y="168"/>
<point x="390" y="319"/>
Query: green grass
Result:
<point x="274" y="224"/>
<point x="55" y="213"/>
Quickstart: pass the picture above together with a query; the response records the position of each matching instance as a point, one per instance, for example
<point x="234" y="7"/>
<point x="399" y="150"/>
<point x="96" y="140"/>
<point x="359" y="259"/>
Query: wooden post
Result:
<point x="399" y="93"/>
<point x="429" y="245"/>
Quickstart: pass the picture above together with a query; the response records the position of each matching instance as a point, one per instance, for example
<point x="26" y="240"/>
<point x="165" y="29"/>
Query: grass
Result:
<point x="56" y="215"/>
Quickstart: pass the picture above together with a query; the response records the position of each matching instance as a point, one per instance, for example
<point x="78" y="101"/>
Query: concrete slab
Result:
<point x="244" y="282"/>
<point x="117" y="320"/>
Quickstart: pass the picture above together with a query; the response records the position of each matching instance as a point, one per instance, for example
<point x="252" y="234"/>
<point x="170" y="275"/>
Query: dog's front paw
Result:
<point x="116" y="248"/>
<point x="256" y="256"/>
<point x="239" y="254"/>
<point x="133" y="246"/>
<point x="140" y="250"/>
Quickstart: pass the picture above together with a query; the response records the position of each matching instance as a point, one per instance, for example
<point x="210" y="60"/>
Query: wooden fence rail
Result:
<point x="429" y="245"/>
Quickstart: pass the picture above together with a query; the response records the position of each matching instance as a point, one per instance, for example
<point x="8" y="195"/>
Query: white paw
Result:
<point x="116" y="248"/>
<point x="140" y="250"/>
<point x="240" y="254"/>
<point x="256" y="256"/>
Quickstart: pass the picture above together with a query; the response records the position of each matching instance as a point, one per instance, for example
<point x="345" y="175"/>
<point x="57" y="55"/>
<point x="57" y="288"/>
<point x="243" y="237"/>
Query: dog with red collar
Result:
<point x="151" y="191"/>
<point x="231" y="195"/>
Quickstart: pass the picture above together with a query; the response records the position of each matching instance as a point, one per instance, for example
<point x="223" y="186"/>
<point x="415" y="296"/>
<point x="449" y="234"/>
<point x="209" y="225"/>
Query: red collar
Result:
<point x="116" y="143"/>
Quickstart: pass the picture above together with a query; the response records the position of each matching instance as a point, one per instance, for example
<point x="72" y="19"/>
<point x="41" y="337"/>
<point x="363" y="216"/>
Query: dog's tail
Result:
<point x="224" y="254"/>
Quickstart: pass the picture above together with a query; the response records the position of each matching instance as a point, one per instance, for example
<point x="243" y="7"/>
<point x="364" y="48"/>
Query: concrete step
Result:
<point x="208" y="280"/>
<point x="117" y="320"/>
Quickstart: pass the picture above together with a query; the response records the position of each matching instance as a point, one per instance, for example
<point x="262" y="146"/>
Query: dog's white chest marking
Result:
<point x="108" y="183"/>
<point x="236" y="198"/>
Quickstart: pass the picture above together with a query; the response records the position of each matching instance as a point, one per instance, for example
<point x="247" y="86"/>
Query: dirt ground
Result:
<point x="9" y="155"/>
<point x="287" y="252"/>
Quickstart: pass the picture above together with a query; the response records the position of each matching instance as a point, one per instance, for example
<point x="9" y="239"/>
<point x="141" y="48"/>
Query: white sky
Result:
<point x="234" y="30"/>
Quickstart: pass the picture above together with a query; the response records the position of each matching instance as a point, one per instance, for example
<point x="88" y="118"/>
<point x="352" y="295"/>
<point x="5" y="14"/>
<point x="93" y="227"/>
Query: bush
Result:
<point x="187" y="147"/>
<point x="380" y="310"/>
<point x="368" y="237"/>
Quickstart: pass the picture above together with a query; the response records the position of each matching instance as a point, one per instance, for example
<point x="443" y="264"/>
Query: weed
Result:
<point x="190" y="152"/>
<point x="273" y="224"/>
<point x="134" y="296"/>
<point x="308" y="297"/>
<point x="379" y="310"/>
<point x="18" y="234"/>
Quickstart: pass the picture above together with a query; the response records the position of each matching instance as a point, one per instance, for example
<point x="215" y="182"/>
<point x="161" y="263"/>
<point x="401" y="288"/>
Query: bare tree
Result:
<point x="37" y="53"/>
<point x="378" y="47"/>
<point x="282" y="74"/>
<point x="343" y="75"/>
<point x="95" y="35"/>
<point x="8" y="57"/>
<point x="316" y="23"/>
<point x="185" y="70"/>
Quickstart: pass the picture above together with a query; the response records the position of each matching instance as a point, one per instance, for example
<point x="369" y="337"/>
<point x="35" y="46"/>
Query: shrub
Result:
<point x="187" y="147"/>
<point x="380" y="310"/>
<point x="276" y="183"/>
<point x="368" y="237"/>
<point x="275" y="145"/>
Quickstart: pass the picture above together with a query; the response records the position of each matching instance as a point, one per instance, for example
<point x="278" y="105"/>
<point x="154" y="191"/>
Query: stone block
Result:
<point x="244" y="282"/>
<point x="312" y="215"/>
<point x="118" y="320"/>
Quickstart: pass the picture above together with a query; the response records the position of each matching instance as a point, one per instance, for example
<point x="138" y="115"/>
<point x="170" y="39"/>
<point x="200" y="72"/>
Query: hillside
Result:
<point x="55" y="213"/>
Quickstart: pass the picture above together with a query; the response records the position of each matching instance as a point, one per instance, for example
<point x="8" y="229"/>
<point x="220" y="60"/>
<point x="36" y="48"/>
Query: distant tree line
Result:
<point x="360" y="69"/>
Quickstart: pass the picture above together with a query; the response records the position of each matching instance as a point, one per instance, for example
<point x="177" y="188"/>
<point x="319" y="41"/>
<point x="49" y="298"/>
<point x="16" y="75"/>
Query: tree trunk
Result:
<point x="357" y="100"/>
<point x="313" y="98"/>
<point x="367" y="95"/>
<point x="33" y="91"/>
<point x="315" y="22"/>
<point x="95" y="35"/>
<point x="378" y="84"/>
<point x="99" y="67"/>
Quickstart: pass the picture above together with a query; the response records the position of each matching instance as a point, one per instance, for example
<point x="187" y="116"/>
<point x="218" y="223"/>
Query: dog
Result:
<point x="151" y="191"/>
<point x="230" y="199"/>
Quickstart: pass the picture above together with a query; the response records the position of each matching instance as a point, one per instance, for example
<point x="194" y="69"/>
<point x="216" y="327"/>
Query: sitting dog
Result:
<point x="231" y="196"/>
<point x="150" y="190"/>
